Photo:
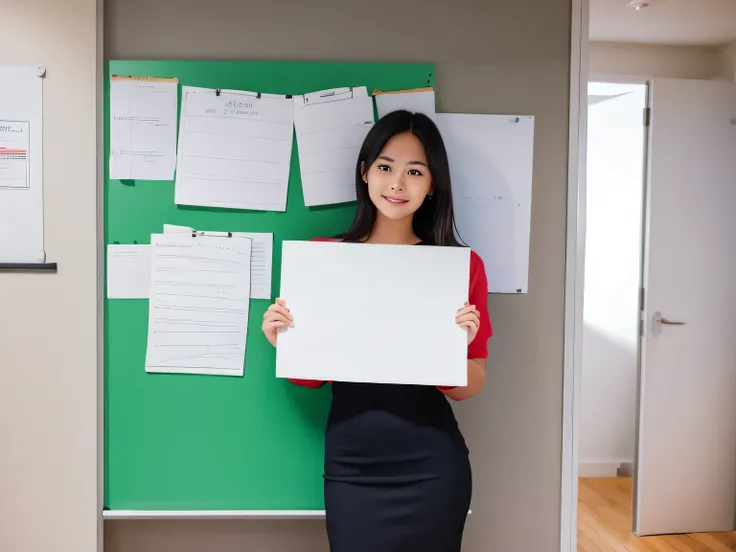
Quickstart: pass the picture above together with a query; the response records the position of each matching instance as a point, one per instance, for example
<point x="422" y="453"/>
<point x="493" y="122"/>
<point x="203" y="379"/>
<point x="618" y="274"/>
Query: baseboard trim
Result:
<point x="626" y="469"/>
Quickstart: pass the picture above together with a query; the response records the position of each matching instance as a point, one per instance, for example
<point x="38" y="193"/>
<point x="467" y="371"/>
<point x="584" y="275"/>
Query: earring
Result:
<point x="429" y="196"/>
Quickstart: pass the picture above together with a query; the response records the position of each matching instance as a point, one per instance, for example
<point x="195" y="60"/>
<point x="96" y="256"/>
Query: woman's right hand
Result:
<point x="277" y="316"/>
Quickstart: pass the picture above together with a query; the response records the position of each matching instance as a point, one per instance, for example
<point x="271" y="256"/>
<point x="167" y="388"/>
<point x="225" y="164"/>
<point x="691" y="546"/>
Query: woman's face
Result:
<point x="399" y="179"/>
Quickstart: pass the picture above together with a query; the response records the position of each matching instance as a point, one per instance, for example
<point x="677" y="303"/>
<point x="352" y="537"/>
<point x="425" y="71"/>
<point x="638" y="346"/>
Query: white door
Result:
<point x="686" y="438"/>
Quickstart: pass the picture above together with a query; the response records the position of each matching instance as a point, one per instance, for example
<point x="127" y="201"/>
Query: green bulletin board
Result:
<point x="193" y="442"/>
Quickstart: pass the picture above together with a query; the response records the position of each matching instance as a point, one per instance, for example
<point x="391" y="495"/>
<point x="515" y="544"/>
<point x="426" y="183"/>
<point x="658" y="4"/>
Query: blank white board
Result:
<point x="491" y="161"/>
<point x="21" y="164"/>
<point x="374" y="313"/>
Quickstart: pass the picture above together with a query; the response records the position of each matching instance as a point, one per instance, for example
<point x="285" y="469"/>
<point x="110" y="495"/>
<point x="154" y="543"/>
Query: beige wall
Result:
<point x="728" y="62"/>
<point x="644" y="60"/>
<point x="491" y="57"/>
<point x="48" y="329"/>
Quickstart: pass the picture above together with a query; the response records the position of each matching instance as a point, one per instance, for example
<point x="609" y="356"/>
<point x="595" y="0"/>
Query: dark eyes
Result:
<point x="412" y="172"/>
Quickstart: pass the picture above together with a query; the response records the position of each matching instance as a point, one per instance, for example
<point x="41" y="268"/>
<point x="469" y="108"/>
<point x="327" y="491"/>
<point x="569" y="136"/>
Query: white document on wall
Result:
<point x="21" y="165"/>
<point x="143" y="125"/>
<point x="234" y="149"/>
<point x="261" y="260"/>
<point x="199" y="305"/>
<point x="491" y="163"/>
<point x="374" y="313"/>
<point x="417" y="101"/>
<point x="128" y="271"/>
<point x="15" y="161"/>
<point x="331" y="126"/>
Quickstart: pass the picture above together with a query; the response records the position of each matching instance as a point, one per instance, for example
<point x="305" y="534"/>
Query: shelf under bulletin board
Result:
<point x="185" y="442"/>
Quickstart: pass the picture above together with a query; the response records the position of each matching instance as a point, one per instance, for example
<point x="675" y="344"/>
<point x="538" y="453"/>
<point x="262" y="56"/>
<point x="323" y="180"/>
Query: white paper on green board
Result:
<point x="261" y="261"/>
<point x="143" y="129"/>
<point x="331" y="126"/>
<point x="421" y="101"/>
<point x="199" y="305"/>
<point x="128" y="271"/>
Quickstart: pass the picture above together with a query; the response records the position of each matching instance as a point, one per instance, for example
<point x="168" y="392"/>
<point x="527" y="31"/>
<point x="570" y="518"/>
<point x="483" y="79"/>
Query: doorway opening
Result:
<point x="656" y="420"/>
<point x="615" y="188"/>
<point x="613" y="252"/>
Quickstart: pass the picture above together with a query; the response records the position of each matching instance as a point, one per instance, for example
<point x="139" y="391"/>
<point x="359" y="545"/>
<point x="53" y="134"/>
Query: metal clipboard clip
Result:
<point x="198" y="233"/>
<point x="256" y="95"/>
<point x="327" y="96"/>
<point x="219" y="91"/>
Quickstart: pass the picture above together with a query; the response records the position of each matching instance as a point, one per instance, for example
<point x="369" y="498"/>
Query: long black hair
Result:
<point x="434" y="221"/>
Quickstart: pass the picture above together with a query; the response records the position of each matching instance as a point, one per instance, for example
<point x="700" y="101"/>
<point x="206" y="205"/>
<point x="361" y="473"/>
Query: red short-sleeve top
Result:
<point x="477" y="295"/>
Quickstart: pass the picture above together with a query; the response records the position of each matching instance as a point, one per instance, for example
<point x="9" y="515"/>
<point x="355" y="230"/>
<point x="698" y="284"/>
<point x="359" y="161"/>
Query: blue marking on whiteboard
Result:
<point x="515" y="120"/>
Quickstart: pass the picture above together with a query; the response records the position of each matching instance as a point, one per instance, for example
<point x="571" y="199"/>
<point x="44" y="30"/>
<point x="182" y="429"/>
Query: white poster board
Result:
<point x="374" y="313"/>
<point x="491" y="164"/>
<point x="21" y="164"/>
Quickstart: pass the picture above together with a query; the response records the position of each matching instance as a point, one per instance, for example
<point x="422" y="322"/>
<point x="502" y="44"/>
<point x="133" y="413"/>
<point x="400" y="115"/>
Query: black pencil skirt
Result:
<point x="397" y="471"/>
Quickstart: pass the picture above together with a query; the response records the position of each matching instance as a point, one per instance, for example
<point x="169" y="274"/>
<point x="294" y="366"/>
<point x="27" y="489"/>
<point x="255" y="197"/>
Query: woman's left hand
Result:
<point x="468" y="317"/>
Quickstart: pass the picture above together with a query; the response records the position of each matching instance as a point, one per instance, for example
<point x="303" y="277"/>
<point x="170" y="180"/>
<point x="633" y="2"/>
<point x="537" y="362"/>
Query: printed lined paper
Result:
<point x="128" y="271"/>
<point x="330" y="128"/>
<point x="199" y="306"/>
<point x="143" y="128"/>
<point x="261" y="261"/>
<point x="234" y="149"/>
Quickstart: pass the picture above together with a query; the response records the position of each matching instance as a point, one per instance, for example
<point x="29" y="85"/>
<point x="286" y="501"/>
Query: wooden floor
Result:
<point x="604" y="524"/>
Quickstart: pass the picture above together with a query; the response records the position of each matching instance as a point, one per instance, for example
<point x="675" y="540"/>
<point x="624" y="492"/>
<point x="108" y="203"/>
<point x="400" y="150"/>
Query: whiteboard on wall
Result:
<point x="491" y="161"/>
<point x="21" y="164"/>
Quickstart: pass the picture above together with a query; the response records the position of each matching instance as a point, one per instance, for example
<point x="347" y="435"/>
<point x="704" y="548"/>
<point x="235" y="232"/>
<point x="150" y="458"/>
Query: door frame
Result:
<point x="575" y="267"/>
<point x="574" y="272"/>
<point x="640" y="337"/>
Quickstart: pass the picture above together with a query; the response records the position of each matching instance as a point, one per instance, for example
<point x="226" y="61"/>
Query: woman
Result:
<point x="397" y="472"/>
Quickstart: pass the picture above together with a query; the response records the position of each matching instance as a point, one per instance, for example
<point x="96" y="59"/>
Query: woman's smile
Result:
<point x="394" y="199"/>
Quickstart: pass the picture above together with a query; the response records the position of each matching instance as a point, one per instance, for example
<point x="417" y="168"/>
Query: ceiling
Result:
<point x="683" y="22"/>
